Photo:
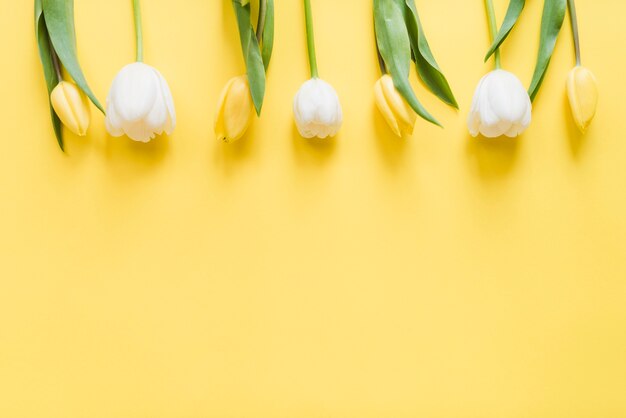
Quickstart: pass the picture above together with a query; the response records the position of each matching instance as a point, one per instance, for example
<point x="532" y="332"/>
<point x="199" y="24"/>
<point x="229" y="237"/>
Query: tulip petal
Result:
<point x="582" y="91"/>
<point x="134" y="91"/>
<point x="385" y="110"/>
<point x="401" y="109"/>
<point x="501" y="106"/>
<point x="138" y="130"/>
<point x="238" y="109"/>
<point x="113" y="122"/>
<point x="317" y="110"/>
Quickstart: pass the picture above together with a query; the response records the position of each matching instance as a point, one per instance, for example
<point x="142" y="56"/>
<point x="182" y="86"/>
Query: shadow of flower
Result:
<point x="492" y="158"/>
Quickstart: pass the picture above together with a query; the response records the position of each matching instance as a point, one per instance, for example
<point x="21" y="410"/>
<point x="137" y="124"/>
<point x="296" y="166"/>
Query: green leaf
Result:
<point x="425" y="62"/>
<point x="394" y="45"/>
<point x="268" y="34"/>
<point x="512" y="14"/>
<point x="251" y="53"/>
<point x="551" y="22"/>
<point x="59" y="17"/>
<point x="45" y="53"/>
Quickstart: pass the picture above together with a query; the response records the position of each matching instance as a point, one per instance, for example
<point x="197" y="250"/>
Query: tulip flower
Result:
<point x="139" y="103"/>
<point x="316" y="106"/>
<point x="56" y="40"/>
<point x="235" y="110"/>
<point x="501" y="104"/>
<point x="394" y="108"/>
<point x="582" y="87"/>
<point x="244" y="95"/>
<point x="400" y="39"/>
<point x="317" y="109"/>
<point x="71" y="106"/>
<point x="582" y="91"/>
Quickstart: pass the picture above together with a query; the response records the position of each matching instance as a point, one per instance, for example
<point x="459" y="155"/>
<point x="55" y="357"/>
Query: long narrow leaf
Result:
<point x="425" y="62"/>
<point x="268" y="34"/>
<point x="551" y="22"/>
<point x="59" y="16"/>
<point x="512" y="15"/>
<point x="251" y="53"/>
<point x="45" y="53"/>
<point x="394" y="45"/>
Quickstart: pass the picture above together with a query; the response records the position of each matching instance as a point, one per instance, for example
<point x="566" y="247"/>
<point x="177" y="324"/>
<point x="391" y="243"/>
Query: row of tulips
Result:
<point x="140" y="105"/>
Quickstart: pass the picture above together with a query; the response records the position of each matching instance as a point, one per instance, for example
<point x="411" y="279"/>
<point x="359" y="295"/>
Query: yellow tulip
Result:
<point x="235" y="110"/>
<point x="71" y="106"/>
<point x="582" y="90"/>
<point x="396" y="111"/>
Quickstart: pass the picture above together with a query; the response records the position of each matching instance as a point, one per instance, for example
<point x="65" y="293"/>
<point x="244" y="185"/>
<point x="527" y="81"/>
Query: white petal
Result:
<point x="134" y="91"/>
<point x="138" y="131"/>
<point x="112" y="121"/>
<point x="317" y="110"/>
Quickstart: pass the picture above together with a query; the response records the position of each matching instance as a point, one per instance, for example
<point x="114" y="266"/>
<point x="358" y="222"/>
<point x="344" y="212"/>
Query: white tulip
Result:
<point x="140" y="104"/>
<point x="501" y="106"/>
<point x="317" y="109"/>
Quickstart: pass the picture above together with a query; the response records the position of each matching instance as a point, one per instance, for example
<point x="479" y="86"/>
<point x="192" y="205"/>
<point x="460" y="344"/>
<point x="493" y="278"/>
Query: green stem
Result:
<point x="138" y="30"/>
<point x="55" y="62"/>
<point x="381" y="62"/>
<point x="260" y="26"/>
<point x="310" y="39"/>
<point x="493" y="30"/>
<point x="574" y="20"/>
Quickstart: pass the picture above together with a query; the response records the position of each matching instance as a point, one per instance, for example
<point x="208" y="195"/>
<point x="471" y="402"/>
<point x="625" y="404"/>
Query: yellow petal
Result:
<point x="385" y="110"/>
<point x="235" y="110"/>
<point x="72" y="107"/>
<point x="220" y="130"/>
<point x="582" y="91"/>
<point x="400" y="108"/>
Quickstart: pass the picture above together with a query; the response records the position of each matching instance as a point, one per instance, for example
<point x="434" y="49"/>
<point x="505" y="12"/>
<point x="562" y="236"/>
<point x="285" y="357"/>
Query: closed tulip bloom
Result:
<point x="71" y="106"/>
<point x="582" y="91"/>
<point x="396" y="111"/>
<point x="140" y="104"/>
<point x="501" y="106"/>
<point x="317" y="109"/>
<point x="235" y="110"/>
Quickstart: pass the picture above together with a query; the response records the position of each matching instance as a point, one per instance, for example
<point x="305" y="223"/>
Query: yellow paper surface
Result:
<point x="436" y="276"/>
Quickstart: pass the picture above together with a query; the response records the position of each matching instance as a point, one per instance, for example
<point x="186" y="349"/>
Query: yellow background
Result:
<point x="435" y="276"/>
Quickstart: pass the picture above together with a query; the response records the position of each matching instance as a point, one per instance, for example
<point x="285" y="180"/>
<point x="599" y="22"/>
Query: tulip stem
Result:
<point x="260" y="27"/>
<point x="493" y="30"/>
<point x="381" y="62"/>
<point x="138" y="30"/>
<point x="55" y="62"/>
<point x="310" y="39"/>
<point x="574" y="21"/>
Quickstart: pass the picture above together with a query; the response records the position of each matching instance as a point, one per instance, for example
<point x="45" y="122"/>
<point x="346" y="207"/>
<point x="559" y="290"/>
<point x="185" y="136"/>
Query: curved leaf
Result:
<point x="45" y="53"/>
<point x="425" y="62"/>
<point x="394" y="45"/>
<point x="512" y="14"/>
<point x="551" y="22"/>
<point x="59" y="17"/>
<point x="251" y="53"/>
<point x="268" y="34"/>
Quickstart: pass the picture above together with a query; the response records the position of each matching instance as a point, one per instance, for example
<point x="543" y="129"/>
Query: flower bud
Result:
<point x="140" y="104"/>
<point x="317" y="110"/>
<point x="396" y="111"/>
<point x="235" y="110"/>
<point x="501" y="106"/>
<point x="71" y="106"/>
<point x="582" y="91"/>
